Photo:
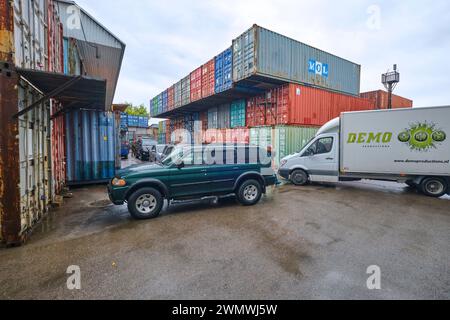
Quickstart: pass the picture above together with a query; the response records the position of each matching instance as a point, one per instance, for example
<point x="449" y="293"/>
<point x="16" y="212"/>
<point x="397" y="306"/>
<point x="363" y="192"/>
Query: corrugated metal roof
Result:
<point x="101" y="51"/>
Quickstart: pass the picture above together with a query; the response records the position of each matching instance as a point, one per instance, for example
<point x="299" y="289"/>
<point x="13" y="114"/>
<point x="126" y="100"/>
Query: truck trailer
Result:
<point x="409" y="146"/>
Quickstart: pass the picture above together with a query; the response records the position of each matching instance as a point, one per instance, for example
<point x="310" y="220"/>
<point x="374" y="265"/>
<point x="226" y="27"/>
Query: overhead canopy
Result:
<point x="73" y="91"/>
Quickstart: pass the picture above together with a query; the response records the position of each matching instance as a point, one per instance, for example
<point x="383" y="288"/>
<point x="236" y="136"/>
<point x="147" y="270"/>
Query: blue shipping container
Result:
<point x="90" y="146"/>
<point x="224" y="71"/>
<point x="143" y="122"/>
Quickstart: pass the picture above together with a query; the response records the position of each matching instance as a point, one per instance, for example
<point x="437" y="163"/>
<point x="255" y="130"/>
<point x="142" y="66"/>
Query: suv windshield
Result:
<point x="175" y="156"/>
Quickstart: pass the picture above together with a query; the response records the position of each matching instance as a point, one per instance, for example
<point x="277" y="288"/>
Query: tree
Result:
<point x="140" y="110"/>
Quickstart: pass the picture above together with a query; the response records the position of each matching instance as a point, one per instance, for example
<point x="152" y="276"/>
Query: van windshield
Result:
<point x="303" y="148"/>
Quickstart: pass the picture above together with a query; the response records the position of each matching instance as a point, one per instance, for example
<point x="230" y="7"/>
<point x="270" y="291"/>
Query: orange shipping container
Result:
<point x="294" y="104"/>
<point x="381" y="98"/>
<point x="196" y="84"/>
<point x="208" y="78"/>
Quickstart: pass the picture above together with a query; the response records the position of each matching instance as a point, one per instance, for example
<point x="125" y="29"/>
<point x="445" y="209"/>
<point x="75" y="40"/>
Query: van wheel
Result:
<point x="299" y="177"/>
<point x="145" y="203"/>
<point x="434" y="187"/>
<point x="249" y="193"/>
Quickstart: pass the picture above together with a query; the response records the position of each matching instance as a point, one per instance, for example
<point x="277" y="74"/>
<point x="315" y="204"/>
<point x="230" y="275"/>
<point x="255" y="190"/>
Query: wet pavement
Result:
<point x="314" y="242"/>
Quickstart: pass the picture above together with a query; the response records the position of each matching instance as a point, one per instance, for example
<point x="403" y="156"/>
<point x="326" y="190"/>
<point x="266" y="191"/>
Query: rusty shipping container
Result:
<point x="25" y="153"/>
<point x="196" y="84"/>
<point x="261" y="53"/>
<point x="208" y="78"/>
<point x="381" y="98"/>
<point x="294" y="104"/>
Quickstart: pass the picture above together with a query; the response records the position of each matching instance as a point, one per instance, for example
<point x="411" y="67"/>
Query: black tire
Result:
<point x="145" y="203"/>
<point x="249" y="192"/>
<point x="299" y="177"/>
<point x="434" y="187"/>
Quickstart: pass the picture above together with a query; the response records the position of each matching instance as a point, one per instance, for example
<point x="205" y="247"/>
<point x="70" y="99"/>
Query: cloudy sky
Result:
<point x="168" y="39"/>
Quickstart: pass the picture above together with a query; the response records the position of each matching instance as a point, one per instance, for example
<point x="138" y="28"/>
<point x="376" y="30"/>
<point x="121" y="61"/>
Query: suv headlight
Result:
<point x="118" y="182"/>
<point x="283" y="163"/>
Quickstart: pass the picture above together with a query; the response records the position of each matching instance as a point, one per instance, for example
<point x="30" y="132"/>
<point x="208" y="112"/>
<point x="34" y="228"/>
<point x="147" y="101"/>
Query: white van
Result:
<point x="409" y="146"/>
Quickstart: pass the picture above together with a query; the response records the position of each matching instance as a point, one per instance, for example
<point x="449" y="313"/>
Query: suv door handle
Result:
<point x="329" y="158"/>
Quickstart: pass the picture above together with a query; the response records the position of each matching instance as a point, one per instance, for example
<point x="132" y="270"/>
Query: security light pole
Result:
<point x="390" y="81"/>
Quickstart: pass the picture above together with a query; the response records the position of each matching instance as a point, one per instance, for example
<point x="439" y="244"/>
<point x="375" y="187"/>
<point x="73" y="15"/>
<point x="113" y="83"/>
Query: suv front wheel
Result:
<point x="145" y="203"/>
<point x="249" y="193"/>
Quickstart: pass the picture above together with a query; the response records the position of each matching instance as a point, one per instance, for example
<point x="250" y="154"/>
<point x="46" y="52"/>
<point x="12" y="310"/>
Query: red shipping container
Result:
<point x="381" y="100"/>
<point x="171" y="98"/>
<point x="256" y="111"/>
<point x="196" y="84"/>
<point x="54" y="39"/>
<point x="208" y="78"/>
<point x="300" y="105"/>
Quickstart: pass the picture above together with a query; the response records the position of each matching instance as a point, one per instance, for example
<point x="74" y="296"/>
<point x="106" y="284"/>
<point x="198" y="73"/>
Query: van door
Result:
<point x="321" y="159"/>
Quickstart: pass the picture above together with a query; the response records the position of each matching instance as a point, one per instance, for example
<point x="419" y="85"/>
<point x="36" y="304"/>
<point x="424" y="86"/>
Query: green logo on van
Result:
<point x="422" y="136"/>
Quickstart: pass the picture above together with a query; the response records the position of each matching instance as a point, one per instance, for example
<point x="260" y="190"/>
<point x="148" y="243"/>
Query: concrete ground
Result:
<point x="313" y="242"/>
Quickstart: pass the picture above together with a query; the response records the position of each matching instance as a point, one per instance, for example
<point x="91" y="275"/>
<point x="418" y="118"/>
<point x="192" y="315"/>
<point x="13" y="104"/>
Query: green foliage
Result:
<point x="140" y="110"/>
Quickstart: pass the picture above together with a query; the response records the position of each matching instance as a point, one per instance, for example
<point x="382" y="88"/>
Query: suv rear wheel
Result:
<point x="145" y="203"/>
<point x="249" y="193"/>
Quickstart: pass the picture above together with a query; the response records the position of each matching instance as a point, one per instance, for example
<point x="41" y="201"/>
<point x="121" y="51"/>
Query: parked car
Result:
<point x="146" y="150"/>
<point x="193" y="172"/>
<point x="124" y="149"/>
<point x="407" y="145"/>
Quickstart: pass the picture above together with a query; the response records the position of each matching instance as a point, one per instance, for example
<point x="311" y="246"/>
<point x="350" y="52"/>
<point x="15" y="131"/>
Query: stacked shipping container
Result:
<point x="295" y="104"/>
<point x="224" y="71"/>
<point x="196" y="84"/>
<point x="381" y="98"/>
<point x="208" y="79"/>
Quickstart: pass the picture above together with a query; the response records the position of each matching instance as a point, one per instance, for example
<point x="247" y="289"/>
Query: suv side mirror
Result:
<point x="180" y="165"/>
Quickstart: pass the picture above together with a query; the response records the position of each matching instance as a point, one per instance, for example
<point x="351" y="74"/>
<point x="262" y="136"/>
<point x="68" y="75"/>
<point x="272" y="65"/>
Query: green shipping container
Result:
<point x="284" y="140"/>
<point x="238" y="116"/>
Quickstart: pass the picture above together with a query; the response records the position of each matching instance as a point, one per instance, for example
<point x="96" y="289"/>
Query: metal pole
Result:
<point x="390" y="96"/>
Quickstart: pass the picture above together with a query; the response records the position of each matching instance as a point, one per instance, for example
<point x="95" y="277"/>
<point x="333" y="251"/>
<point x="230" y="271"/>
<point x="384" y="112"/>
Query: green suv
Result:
<point x="194" y="172"/>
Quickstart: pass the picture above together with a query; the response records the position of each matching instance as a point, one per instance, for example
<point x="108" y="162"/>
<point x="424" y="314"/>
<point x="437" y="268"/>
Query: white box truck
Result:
<point x="409" y="146"/>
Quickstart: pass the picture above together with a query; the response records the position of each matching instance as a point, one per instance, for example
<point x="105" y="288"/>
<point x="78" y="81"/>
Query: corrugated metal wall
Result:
<point x="186" y="90"/>
<point x="208" y="78"/>
<point x="264" y="52"/>
<point x="224" y="71"/>
<point x="30" y="33"/>
<point x="90" y="146"/>
<point x="381" y="97"/>
<point x="196" y="84"/>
